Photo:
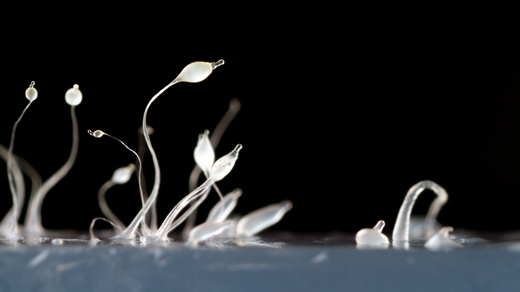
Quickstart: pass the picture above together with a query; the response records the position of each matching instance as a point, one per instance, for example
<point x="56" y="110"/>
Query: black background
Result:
<point x="339" y="115"/>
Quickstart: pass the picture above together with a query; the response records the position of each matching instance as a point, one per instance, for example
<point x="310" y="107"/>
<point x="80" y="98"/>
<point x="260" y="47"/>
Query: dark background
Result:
<point x="339" y="116"/>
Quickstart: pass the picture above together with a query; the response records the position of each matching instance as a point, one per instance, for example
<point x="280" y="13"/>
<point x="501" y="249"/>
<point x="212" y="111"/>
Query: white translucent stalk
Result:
<point x="104" y="206"/>
<point x="192" y="73"/>
<point x="93" y="239"/>
<point x="6" y="226"/>
<point x="151" y="218"/>
<point x="223" y="208"/>
<point x="33" y="223"/>
<point x="33" y="175"/>
<point x="121" y="176"/>
<point x="166" y="226"/>
<point x="99" y="134"/>
<point x="220" y="129"/>
<point x="36" y="181"/>
<point x="402" y="224"/>
<point x="442" y="241"/>
<point x="31" y="94"/>
<point x="221" y="168"/>
<point x="372" y="236"/>
<point x="194" y="203"/>
<point x="206" y="231"/>
<point x="261" y="219"/>
<point x="234" y="108"/>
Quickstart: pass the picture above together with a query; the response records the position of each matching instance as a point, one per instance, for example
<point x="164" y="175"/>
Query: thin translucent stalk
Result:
<point x="234" y="108"/>
<point x="165" y="226"/>
<point x="431" y="216"/>
<point x="35" y="177"/>
<point x="91" y="229"/>
<point x="141" y="151"/>
<point x="402" y="224"/>
<point x="14" y="227"/>
<point x="130" y="231"/>
<point x="220" y="129"/>
<point x="222" y="209"/>
<point x="193" y="207"/>
<point x="36" y="181"/>
<point x="33" y="219"/>
<point x="139" y="175"/>
<point x="9" y="219"/>
<point x="104" y="206"/>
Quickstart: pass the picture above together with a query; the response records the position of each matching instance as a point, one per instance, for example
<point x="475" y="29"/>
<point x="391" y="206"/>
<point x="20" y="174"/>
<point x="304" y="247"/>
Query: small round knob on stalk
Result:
<point x="73" y="96"/>
<point x="31" y="93"/>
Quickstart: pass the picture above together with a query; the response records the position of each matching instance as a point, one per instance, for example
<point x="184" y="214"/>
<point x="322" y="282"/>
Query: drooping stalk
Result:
<point x="104" y="206"/>
<point x="99" y="134"/>
<point x="121" y="176"/>
<point x="402" y="224"/>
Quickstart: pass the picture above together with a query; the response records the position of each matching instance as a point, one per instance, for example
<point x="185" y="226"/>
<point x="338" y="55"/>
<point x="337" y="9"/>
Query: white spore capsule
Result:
<point x="372" y="236"/>
<point x="123" y="174"/>
<point x="197" y="71"/>
<point x="96" y="133"/>
<point x="262" y="218"/>
<point x="441" y="240"/>
<point x="31" y="93"/>
<point x="225" y="164"/>
<point x="73" y="96"/>
<point x="204" y="154"/>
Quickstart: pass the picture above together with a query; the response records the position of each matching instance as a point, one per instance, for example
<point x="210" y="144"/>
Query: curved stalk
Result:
<point x="402" y="224"/>
<point x="13" y="230"/>
<point x="234" y="108"/>
<point x="9" y="219"/>
<point x="152" y="218"/>
<point x="130" y="231"/>
<point x="193" y="207"/>
<point x="162" y="232"/>
<point x="33" y="223"/>
<point x="19" y="166"/>
<point x="99" y="134"/>
<point x="104" y="206"/>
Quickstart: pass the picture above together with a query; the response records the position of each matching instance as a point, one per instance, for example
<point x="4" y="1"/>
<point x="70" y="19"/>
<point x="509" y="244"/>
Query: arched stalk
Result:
<point x="99" y="134"/>
<point x="402" y="224"/>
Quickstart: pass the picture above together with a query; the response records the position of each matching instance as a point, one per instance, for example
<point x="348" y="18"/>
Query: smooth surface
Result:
<point x="305" y="268"/>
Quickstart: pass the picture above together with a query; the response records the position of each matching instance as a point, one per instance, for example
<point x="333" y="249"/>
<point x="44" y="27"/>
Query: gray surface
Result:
<point x="313" y="268"/>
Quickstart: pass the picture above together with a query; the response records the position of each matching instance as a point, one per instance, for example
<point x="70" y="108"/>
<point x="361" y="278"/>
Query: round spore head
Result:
<point x="96" y="133"/>
<point x="123" y="174"/>
<point x="31" y="93"/>
<point x="73" y="96"/>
